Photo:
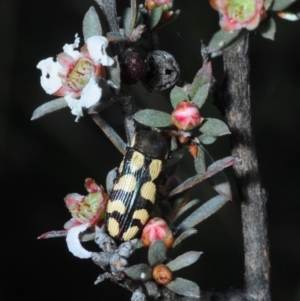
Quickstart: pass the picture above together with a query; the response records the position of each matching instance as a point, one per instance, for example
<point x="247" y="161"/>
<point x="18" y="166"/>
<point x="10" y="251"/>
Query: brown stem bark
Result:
<point x="238" y="114"/>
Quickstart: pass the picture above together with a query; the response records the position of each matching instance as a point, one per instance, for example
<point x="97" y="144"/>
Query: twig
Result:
<point x="109" y="10"/>
<point x="253" y="196"/>
<point x="110" y="133"/>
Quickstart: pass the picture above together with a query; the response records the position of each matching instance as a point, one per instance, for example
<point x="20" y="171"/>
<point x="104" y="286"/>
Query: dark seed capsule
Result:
<point x="133" y="67"/>
<point x="163" y="71"/>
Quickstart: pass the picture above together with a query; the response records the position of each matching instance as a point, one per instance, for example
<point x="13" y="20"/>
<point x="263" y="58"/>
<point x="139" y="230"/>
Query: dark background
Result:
<point x="43" y="160"/>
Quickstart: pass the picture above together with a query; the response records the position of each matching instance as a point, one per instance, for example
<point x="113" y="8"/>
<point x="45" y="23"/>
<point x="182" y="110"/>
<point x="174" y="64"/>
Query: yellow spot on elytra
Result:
<point x="137" y="161"/>
<point x="130" y="233"/>
<point x="121" y="166"/>
<point x="113" y="227"/>
<point x="148" y="191"/>
<point x="142" y="215"/>
<point x="133" y="141"/>
<point x="155" y="168"/>
<point x="116" y="205"/>
<point x="127" y="183"/>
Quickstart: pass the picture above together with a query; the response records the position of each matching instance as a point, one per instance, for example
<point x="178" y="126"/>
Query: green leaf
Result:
<point x="157" y="253"/>
<point x="221" y="184"/>
<point x="199" y="162"/>
<point x="267" y="4"/>
<point x="207" y="139"/>
<point x="214" y="127"/>
<point x="91" y="24"/>
<point x="201" y="96"/>
<point x="153" y="118"/>
<point x="203" y="212"/>
<point x="127" y="21"/>
<point x="111" y="176"/>
<point x="183" y="260"/>
<point x="183" y="236"/>
<point x="177" y="95"/>
<point x="184" y="287"/>
<point x="202" y="78"/>
<point x="139" y="272"/>
<point x="215" y="168"/>
<point x="49" y="107"/>
<point x="129" y="18"/>
<point x="281" y="4"/>
<point x="154" y="17"/>
<point x="184" y="209"/>
<point x="268" y="29"/>
<point x="224" y="40"/>
<point x="219" y="181"/>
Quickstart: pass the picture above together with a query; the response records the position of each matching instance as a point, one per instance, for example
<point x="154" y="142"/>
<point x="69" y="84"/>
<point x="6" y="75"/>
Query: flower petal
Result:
<point x="96" y="46"/>
<point x="69" y="48"/>
<point x="71" y="223"/>
<point x="74" y="244"/>
<point x="91" y="94"/>
<point x="75" y="106"/>
<point x="50" y="79"/>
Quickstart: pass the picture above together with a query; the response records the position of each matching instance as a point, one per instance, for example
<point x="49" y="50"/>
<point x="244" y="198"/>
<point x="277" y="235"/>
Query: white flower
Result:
<point x="74" y="73"/>
<point x="74" y="244"/>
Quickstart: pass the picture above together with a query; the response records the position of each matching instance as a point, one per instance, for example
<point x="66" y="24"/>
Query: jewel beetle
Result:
<point x="135" y="187"/>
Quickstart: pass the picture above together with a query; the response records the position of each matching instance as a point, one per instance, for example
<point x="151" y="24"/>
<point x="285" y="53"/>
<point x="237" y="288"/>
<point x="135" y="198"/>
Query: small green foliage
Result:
<point x="203" y="212"/>
<point x="154" y="17"/>
<point x="184" y="209"/>
<point x="268" y="3"/>
<point x="153" y="118"/>
<point x="268" y="29"/>
<point x="91" y="24"/>
<point x="110" y="180"/>
<point x="49" y="107"/>
<point x="214" y="127"/>
<point x="139" y="272"/>
<point x="201" y="95"/>
<point x="279" y="5"/>
<point x="157" y="253"/>
<point x="202" y="78"/>
<point x="184" y="287"/>
<point x="221" y="184"/>
<point x="198" y="178"/>
<point x="184" y="235"/>
<point x="127" y="22"/>
<point x="199" y="162"/>
<point x="177" y="95"/>
<point x="224" y="40"/>
<point x="183" y="260"/>
<point x="219" y="181"/>
<point x="207" y="139"/>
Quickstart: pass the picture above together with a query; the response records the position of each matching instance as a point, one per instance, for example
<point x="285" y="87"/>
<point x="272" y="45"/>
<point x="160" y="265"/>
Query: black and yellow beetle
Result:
<point x="133" y="195"/>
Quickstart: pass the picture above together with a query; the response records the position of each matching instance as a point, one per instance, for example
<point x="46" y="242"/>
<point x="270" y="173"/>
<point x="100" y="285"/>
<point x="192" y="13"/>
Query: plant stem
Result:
<point x="126" y="101"/>
<point x="238" y="115"/>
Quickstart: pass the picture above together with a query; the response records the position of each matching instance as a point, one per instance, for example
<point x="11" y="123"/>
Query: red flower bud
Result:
<point x="186" y="116"/>
<point x="157" y="229"/>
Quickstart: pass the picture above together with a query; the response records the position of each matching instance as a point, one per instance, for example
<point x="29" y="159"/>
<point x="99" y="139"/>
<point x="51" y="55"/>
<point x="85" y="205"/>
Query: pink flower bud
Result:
<point x="157" y="229"/>
<point x="165" y="4"/>
<point x="238" y="14"/>
<point x="186" y="116"/>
